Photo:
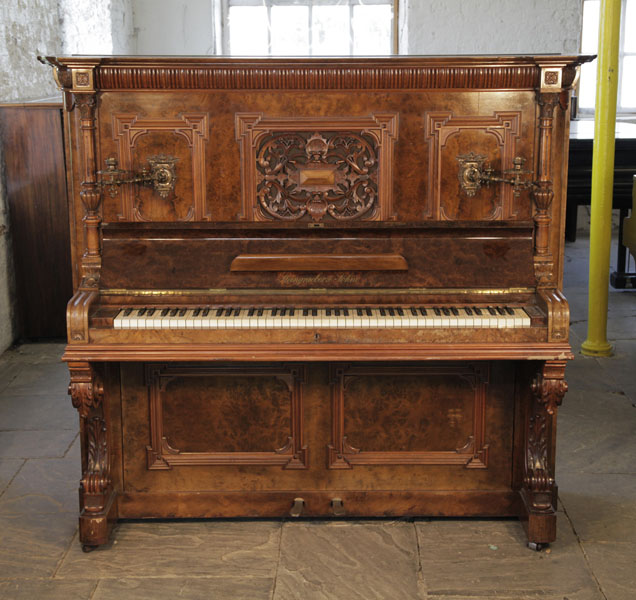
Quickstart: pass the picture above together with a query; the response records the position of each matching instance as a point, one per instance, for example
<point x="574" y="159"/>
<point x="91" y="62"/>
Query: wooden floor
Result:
<point x="593" y="558"/>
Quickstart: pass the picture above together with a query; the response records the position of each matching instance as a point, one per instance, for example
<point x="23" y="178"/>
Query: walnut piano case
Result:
<point x="317" y="287"/>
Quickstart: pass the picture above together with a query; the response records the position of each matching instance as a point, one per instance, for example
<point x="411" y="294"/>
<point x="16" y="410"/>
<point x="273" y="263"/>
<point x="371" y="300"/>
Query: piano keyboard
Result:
<point x="493" y="317"/>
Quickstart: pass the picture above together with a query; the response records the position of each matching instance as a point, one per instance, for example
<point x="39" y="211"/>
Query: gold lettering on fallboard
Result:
<point x="318" y="280"/>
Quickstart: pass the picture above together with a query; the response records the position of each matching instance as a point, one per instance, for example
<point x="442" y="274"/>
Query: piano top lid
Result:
<point x="91" y="73"/>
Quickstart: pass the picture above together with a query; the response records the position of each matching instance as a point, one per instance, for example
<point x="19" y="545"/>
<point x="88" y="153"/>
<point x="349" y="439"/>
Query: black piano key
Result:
<point x="197" y="312"/>
<point x="165" y="311"/>
<point x="206" y="312"/>
<point x="400" y="311"/>
<point x="336" y="311"/>
<point x="391" y="312"/>
<point x="305" y="312"/>
<point x="237" y="312"/>
<point x="422" y="311"/>
<point x="454" y="311"/>
<point x="477" y="311"/>
<point x="510" y="311"/>
<point x="328" y="312"/>
<point x="437" y="311"/>
<point x="383" y="312"/>
<point x="292" y="312"/>
<point x="446" y="311"/>
<point x="468" y="310"/>
<point x="369" y="312"/>
<point x="274" y="312"/>
<point x="501" y="311"/>
<point x="182" y="312"/>
<point x="359" y="312"/>
<point x="173" y="312"/>
<point x="219" y="312"/>
<point x="228" y="312"/>
<point x="150" y="312"/>
<point x="492" y="311"/>
<point x="283" y="312"/>
<point x="345" y="312"/>
<point x="413" y="311"/>
<point x="127" y="312"/>
<point x="141" y="312"/>
<point x="250" y="312"/>
<point x="259" y="312"/>
<point x="314" y="312"/>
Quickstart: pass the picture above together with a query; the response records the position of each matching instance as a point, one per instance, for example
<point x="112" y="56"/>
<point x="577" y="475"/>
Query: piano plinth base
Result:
<point x="95" y="528"/>
<point x="208" y="439"/>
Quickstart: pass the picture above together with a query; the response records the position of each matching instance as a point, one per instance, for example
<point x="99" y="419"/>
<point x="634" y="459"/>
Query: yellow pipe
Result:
<point x="596" y="343"/>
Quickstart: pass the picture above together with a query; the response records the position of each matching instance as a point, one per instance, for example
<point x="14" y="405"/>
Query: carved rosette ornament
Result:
<point x="317" y="174"/>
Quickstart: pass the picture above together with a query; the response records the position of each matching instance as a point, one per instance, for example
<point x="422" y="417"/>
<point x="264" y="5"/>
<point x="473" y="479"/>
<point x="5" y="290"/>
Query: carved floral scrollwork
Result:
<point x="538" y="479"/>
<point x="317" y="174"/>
<point x="96" y="479"/>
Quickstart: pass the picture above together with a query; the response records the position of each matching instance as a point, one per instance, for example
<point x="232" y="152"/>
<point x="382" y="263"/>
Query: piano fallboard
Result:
<point x="161" y="256"/>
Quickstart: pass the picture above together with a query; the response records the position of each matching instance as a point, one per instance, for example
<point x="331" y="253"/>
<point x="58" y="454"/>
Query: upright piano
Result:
<point x="317" y="287"/>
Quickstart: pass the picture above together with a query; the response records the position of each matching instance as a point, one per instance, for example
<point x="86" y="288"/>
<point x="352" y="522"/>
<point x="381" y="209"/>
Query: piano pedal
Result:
<point x="337" y="506"/>
<point x="297" y="508"/>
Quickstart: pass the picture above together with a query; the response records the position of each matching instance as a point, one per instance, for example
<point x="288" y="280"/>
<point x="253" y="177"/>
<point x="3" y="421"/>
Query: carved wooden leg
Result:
<point x="98" y="508"/>
<point x="539" y="492"/>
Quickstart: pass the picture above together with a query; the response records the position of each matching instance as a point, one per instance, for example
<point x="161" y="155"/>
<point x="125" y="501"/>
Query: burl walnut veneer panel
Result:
<point x="472" y="400"/>
<point x="250" y="155"/>
<point x="162" y="258"/>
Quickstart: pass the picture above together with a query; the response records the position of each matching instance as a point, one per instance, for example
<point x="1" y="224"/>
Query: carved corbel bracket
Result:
<point x="86" y="388"/>
<point x="549" y="386"/>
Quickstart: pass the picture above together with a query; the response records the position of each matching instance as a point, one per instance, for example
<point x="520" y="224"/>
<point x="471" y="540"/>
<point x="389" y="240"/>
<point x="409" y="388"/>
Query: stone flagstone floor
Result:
<point x="593" y="558"/>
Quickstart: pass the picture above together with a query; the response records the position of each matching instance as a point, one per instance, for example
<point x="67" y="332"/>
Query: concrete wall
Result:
<point x="491" y="26"/>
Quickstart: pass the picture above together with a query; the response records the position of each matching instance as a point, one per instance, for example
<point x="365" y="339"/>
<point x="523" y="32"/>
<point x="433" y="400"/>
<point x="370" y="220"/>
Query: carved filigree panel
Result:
<point x="450" y="136"/>
<point x="220" y="415"/>
<point x="406" y="410"/>
<point x="139" y="139"/>
<point x="316" y="169"/>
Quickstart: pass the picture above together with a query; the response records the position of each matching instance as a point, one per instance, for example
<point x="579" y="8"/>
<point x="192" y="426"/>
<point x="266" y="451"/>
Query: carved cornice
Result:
<point x="320" y="77"/>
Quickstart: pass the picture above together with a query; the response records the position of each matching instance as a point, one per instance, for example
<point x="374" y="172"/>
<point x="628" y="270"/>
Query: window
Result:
<point x="307" y="27"/>
<point x="627" y="57"/>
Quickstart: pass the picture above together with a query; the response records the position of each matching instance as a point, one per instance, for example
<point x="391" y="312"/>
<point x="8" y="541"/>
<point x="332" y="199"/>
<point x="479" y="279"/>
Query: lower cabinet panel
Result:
<point x="365" y="430"/>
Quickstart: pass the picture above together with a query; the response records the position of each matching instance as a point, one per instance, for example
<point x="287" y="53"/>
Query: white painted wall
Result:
<point x="90" y="27"/>
<point x="183" y="27"/>
<point x="425" y="26"/>
<point x="491" y="26"/>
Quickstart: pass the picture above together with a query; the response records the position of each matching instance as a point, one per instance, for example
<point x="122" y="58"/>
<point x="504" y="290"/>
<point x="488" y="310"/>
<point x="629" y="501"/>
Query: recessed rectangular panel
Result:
<point x="225" y="415"/>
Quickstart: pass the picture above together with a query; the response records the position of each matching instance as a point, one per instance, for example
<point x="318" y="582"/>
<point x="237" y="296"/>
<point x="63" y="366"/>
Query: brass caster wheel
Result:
<point x="537" y="547"/>
<point x="88" y="548"/>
